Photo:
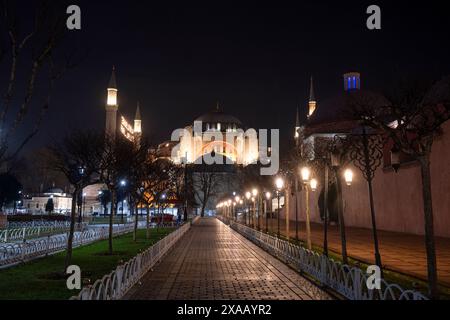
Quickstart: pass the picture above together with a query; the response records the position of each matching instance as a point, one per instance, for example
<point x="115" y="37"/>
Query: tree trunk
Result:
<point x="341" y="217"/>
<point x="325" y="211"/>
<point x="148" y="222"/>
<point x="136" y="220"/>
<point x="111" y="217"/>
<point x="185" y="212"/>
<point x="73" y="214"/>
<point x="202" y="213"/>
<point x="429" y="228"/>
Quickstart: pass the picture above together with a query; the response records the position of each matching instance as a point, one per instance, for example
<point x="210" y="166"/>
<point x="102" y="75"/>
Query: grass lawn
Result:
<point x="41" y="279"/>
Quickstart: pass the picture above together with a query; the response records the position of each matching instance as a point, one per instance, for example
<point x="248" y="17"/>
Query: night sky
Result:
<point x="179" y="58"/>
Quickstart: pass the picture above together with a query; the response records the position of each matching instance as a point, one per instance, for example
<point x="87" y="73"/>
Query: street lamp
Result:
<point x="308" y="183"/>
<point x="279" y="183"/>
<point x="248" y="196"/>
<point x="338" y="150"/>
<point x="348" y="176"/>
<point x="313" y="184"/>
<point x="83" y="213"/>
<point x="237" y="199"/>
<point x="268" y="197"/>
<point x="306" y="174"/>
<point x="123" y="184"/>
<point x="255" y="214"/>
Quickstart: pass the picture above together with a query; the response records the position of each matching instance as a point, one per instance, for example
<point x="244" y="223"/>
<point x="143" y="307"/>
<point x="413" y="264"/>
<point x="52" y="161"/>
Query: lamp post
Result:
<point x="308" y="183"/>
<point x="123" y="184"/>
<point x="248" y="195"/>
<point x="241" y="205"/>
<point x="279" y="183"/>
<point x="83" y="212"/>
<point x="296" y="208"/>
<point x="336" y="156"/>
<point x="325" y="206"/>
<point x="237" y="199"/>
<point x="268" y="198"/>
<point x="255" y="193"/>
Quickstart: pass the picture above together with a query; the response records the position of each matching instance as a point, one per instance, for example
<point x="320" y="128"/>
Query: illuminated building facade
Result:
<point x="219" y="134"/>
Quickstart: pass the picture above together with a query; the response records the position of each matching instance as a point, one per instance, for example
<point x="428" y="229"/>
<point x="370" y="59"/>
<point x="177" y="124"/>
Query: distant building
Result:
<point x="35" y="205"/>
<point x="397" y="195"/>
<point x="215" y="133"/>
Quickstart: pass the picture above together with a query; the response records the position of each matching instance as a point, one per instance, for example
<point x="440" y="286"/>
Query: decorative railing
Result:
<point x="14" y="253"/>
<point x="25" y="233"/>
<point x="116" y="284"/>
<point x="38" y="223"/>
<point x="349" y="282"/>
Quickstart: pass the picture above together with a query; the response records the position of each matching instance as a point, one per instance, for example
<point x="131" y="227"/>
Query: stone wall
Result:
<point x="398" y="196"/>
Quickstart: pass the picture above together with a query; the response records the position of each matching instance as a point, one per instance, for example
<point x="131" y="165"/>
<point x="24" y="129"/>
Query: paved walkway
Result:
<point x="213" y="262"/>
<point x="400" y="252"/>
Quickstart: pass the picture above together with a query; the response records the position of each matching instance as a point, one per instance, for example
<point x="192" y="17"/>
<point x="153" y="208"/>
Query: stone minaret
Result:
<point x="297" y="129"/>
<point x="138" y="126"/>
<point x="111" y="107"/>
<point x="312" y="100"/>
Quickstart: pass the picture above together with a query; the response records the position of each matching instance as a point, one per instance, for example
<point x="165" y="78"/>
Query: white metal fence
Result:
<point x="350" y="282"/>
<point x="116" y="284"/>
<point x="29" y="232"/>
<point x="38" y="223"/>
<point x="14" y="253"/>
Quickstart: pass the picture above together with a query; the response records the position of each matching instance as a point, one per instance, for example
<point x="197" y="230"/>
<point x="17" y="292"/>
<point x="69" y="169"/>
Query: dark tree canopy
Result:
<point x="10" y="189"/>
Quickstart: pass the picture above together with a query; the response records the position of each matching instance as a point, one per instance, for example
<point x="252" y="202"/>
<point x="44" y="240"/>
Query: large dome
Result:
<point x="218" y="116"/>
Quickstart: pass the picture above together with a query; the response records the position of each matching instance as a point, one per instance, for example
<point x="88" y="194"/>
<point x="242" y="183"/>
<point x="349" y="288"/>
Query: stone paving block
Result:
<point x="213" y="262"/>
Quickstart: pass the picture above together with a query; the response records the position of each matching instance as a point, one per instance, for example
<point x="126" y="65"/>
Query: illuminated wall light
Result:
<point x="348" y="175"/>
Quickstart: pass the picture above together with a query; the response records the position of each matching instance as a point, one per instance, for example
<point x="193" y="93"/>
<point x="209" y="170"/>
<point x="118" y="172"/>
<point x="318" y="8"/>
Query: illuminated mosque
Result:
<point x="215" y="133"/>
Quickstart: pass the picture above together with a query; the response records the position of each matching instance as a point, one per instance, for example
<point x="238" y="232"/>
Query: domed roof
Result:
<point x="337" y="114"/>
<point x="54" y="191"/>
<point x="339" y="108"/>
<point x="218" y="116"/>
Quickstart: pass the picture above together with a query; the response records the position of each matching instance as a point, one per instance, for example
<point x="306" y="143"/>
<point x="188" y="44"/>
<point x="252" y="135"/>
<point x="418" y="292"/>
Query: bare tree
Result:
<point x="181" y="186"/>
<point x="205" y="182"/>
<point x="138" y="169"/>
<point x="117" y="156"/>
<point x="78" y="157"/>
<point x="32" y="56"/>
<point x="412" y="121"/>
<point x="155" y="177"/>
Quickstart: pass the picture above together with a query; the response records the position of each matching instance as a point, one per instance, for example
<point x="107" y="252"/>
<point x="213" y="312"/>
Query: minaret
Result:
<point x="111" y="107"/>
<point x="312" y="100"/>
<point x="138" y="126"/>
<point x="297" y="129"/>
